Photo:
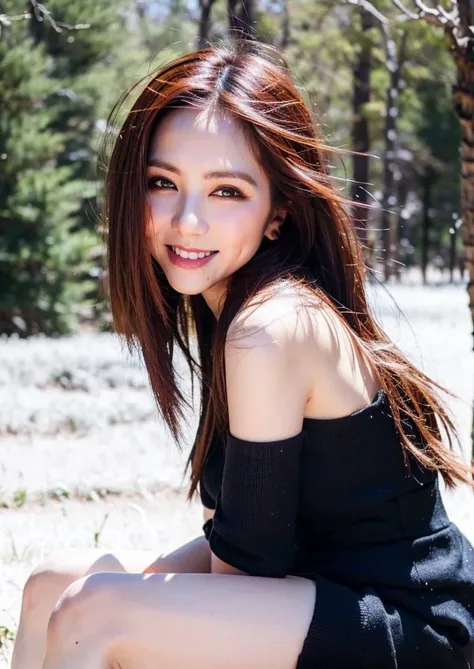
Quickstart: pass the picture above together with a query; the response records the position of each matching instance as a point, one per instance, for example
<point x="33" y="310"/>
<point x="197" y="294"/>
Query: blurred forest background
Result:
<point x="379" y="76"/>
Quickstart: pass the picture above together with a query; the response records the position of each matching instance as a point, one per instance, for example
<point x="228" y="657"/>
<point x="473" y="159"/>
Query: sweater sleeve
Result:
<point x="254" y="525"/>
<point x="209" y="503"/>
<point x="206" y="499"/>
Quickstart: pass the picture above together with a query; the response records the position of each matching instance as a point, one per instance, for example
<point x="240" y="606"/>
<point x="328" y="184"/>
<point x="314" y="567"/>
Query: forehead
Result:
<point x="204" y="136"/>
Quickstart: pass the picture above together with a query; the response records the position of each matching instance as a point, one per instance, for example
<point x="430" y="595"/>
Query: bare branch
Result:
<point x="451" y="17"/>
<point x="439" y="16"/>
<point x="448" y="21"/>
<point x="406" y="12"/>
<point x="369" y="7"/>
<point x="383" y="22"/>
<point x="7" y="20"/>
<point x="424" y="9"/>
<point x="41" y="13"/>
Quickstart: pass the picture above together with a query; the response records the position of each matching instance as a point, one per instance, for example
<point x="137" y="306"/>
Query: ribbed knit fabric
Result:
<point x="257" y="502"/>
<point x="394" y="577"/>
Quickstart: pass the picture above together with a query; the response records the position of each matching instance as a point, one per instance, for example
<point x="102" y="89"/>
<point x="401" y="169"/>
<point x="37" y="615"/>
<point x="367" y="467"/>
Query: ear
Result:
<point x="272" y="231"/>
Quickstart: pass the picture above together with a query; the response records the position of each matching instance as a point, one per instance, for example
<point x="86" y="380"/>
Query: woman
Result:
<point x="319" y="444"/>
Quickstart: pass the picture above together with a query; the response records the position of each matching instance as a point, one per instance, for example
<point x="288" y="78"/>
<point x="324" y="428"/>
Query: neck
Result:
<point x="214" y="297"/>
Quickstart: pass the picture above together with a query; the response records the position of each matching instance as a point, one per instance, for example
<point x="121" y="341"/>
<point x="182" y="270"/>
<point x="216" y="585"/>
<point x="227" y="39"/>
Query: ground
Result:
<point x="86" y="461"/>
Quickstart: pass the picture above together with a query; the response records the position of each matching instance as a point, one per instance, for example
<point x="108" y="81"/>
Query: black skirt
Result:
<point x="357" y="630"/>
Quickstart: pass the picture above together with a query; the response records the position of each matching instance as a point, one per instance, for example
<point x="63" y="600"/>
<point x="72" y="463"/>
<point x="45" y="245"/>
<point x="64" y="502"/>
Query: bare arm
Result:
<point x="266" y="394"/>
<point x="193" y="557"/>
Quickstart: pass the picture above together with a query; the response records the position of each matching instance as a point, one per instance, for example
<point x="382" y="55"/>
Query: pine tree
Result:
<point x="43" y="256"/>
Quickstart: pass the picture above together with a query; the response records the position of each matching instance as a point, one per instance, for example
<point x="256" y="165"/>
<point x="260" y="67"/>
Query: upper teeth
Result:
<point x="192" y="255"/>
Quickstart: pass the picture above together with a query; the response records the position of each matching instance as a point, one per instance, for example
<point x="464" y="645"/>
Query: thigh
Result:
<point x="205" y="621"/>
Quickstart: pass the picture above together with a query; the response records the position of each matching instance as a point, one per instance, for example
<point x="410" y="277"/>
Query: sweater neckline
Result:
<point x="380" y="399"/>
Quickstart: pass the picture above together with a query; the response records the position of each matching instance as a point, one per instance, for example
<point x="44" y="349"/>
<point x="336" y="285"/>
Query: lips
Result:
<point x="192" y="254"/>
<point x="194" y="259"/>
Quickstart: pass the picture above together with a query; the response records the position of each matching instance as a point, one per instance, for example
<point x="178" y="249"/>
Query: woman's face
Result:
<point x="207" y="194"/>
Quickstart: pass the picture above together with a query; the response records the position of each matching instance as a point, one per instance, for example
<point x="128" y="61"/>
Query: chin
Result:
<point x="186" y="290"/>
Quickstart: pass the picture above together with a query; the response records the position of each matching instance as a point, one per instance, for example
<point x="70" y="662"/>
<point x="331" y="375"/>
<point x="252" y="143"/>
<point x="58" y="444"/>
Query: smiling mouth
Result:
<point x="191" y="255"/>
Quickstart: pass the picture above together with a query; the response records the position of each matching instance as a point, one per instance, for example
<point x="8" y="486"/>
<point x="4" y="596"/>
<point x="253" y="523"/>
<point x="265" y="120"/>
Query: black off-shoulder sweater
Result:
<point x="336" y="504"/>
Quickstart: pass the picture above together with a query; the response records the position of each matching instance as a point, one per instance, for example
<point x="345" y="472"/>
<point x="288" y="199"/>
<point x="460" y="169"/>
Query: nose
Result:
<point x="188" y="221"/>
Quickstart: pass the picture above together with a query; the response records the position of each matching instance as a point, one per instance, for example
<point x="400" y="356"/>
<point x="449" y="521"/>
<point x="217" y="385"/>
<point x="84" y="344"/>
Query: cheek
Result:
<point x="156" y="221"/>
<point x="153" y="236"/>
<point x="244" y="233"/>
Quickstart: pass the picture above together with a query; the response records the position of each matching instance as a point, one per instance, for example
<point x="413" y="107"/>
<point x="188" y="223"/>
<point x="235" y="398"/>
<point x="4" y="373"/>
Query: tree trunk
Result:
<point x="426" y="226"/>
<point x="395" y="64"/>
<point x="241" y="18"/>
<point x="285" y="27"/>
<point x="403" y="192"/>
<point x="205" y="8"/>
<point x="463" y="95"/>
<point x="389" y="198"/>
<point x="140" y="9"/>
<point x="463" y="98"/>
<point x="462" y="47"/>
<point x="452" y="252"/>
<point x="360" y="130"/>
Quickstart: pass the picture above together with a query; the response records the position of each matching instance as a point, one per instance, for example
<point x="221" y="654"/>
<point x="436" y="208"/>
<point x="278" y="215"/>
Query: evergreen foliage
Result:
<point x="58" y="86"/>
<point x="43" y="254"/>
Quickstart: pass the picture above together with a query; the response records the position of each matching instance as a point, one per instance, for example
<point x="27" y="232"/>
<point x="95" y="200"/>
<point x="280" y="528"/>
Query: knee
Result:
<point x="78" y="627"/>
<point x="51" y="578"/>
<point x="85" y="610"/>
<point x="39" y="584"/>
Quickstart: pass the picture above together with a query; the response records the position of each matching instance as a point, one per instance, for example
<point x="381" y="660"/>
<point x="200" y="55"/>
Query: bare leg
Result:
<point x="50" y="580"/>
<point x="45" y="586"/>
<point x="177" y="621"/>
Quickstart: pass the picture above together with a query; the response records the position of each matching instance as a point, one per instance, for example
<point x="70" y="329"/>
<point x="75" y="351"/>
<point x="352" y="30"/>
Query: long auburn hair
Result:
<point x="318" y="249"/>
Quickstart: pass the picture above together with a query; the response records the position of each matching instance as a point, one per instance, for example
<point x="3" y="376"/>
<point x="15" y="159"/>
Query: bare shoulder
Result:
<point x="268" y="383"/>
<point x="294" y="322"/>
<point x="285" y="316"/>
<point x="291" y="356"/>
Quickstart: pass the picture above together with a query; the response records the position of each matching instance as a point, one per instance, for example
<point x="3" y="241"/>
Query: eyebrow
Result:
<point x="216" y="174"/>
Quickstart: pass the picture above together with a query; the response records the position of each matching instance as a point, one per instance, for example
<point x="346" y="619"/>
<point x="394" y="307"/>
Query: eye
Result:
<point x="235" y="193"/>
<point x="162" y="183"/>
<point x="154" y="182"/>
